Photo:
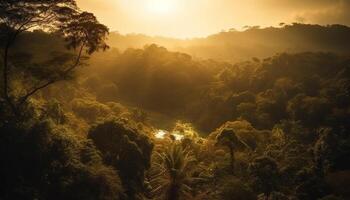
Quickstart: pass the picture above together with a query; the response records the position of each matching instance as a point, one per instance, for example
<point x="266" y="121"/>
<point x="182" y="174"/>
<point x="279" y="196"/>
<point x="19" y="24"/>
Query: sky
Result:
<point x="199" y="18"/>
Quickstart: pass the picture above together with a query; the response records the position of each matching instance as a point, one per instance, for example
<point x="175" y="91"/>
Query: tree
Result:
<point x="264" y="171"/>
<point x="330" y="150"/>
<point x="176" y="173"/>
<point x="43" y="160"/>
<point x="81" y="30"/>
<point x="310" y="185"/>
<point x="311" y="111"/>
<point x="126" y="149"/>
<point x="228" y="138"/>
<point x="53" y="110"/>
<point x="234" y="188"/>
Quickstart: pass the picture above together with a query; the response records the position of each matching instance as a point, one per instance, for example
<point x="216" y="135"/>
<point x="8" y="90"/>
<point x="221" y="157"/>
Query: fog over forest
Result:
<point x="89" y="113"/>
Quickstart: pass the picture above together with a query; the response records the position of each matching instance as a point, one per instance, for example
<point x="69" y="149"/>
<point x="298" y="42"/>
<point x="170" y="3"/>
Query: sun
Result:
<point x="161" y="6"/>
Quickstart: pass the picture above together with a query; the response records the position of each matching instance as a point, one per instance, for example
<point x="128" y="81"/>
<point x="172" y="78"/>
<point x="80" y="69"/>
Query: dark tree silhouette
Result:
<point x="45" y="161"/>
<point x="81" y="30"/>
<point x="264" y="171"/>
<point x="126" y="149"/>
<point x="228" y="138"/>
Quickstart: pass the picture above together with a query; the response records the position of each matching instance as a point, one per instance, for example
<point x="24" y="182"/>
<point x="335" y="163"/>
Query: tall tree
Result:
<point x="228" y="138"/>
<point x="81" y="30"/>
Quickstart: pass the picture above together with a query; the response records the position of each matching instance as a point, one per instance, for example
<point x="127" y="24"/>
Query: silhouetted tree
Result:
<point x="228" y="138"/>
<point x="81" y="30"/>
<point x="126" y="149"/>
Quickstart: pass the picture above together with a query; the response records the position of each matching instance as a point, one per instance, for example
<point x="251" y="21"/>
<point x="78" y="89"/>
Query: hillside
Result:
<point x="157" y="123"/>
<point x="257" y="42"/>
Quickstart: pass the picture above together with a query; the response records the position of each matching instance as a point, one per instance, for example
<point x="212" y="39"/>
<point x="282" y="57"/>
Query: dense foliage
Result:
<point x="274" y="129"/>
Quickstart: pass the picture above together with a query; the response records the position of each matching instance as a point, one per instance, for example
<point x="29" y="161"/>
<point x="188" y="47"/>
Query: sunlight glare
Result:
<point x="177" y="136"/>
<point x="161" y="6"/>
<point x="160" y="134"/>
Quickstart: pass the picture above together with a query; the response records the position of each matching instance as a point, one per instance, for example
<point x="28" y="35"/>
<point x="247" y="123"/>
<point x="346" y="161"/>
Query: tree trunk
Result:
<point x="173" y="192"/>
<point x="232" y="154"/>
<point x="5" y="74"/>
<point x="267" y="196"/>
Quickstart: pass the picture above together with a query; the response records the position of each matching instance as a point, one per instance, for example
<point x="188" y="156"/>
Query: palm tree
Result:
<point x="175" y="174"/>
<point x="228" y="138"/>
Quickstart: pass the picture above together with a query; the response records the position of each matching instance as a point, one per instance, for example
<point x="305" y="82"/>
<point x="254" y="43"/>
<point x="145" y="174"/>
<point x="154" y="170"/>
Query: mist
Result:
<point x="174" y="100"/>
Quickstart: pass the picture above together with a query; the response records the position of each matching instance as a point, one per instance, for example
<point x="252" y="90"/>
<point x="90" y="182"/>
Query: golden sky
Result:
<point x="198" y="18"/>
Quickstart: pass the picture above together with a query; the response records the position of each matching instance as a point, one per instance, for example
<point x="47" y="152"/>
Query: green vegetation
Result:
<point x="275" y="128"/>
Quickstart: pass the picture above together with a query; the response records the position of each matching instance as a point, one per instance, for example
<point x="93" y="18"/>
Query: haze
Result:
<point x="175" y="99"/>
<point x="198" y="18"/>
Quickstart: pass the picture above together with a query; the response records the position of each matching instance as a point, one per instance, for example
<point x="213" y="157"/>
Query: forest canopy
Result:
<point x="239" y="45"/>
<point x="80" y="120"/>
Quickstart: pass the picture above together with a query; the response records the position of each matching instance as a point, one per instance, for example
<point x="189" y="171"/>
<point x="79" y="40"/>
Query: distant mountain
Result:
<point x="257" y="42"/>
